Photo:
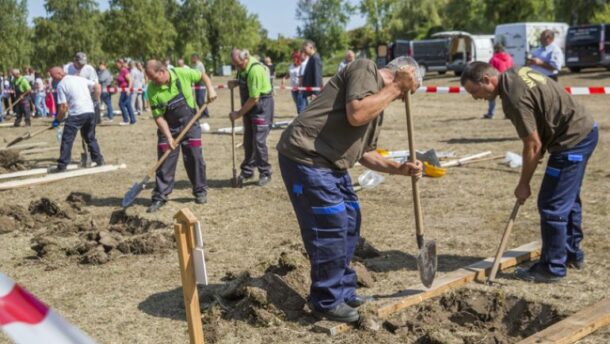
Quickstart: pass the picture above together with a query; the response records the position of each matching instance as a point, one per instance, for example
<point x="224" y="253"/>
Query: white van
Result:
<point x="465" y="48"/>
<point x="520" y="39"/>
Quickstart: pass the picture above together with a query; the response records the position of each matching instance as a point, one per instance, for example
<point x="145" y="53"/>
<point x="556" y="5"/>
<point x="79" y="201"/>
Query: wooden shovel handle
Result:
<point x="503" y="243"/>
<point x="188" y="126"/>
<point x="419" y="220"/>
<point x="233" y="133"/>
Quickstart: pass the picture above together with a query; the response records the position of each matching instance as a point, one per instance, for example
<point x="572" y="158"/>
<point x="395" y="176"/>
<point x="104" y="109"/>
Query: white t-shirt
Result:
<point x="76" y="91"/>
<point x="87" y="72"/>
<point x="293" y="72"/>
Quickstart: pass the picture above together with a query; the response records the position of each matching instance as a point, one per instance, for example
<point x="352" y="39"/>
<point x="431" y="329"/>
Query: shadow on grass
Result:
<point x="465" y="140"/>
<point x="397" y="260"/>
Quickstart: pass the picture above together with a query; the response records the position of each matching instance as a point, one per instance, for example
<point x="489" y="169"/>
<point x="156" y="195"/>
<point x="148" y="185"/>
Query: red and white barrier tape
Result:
<point x="577" y="91"/>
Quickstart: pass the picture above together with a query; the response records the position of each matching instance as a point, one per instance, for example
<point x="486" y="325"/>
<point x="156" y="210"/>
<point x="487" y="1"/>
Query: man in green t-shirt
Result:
<point x="22" y="91"/>
<point x="547" y="118"/>
<point x="172" y="103"/>
<point x="339" y="128"/>
<point x="256" y="109"/>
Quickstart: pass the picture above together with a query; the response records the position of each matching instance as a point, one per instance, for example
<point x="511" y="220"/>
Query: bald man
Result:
<point x="74" y="96"/>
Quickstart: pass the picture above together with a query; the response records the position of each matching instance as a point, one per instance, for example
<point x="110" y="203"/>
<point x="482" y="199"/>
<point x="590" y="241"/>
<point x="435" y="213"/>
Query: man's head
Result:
<point x="180" y="62"/>
<point x="547" y="37"/>
<point x="309" y="47"/>
<point x="350" y="56"/>
<point x="157" y="72"/>
<point x="80" y="60"/>
<point x="498" y="48"/>
<point x="268" y="60"/>
<point x="240" y="58"/>
<point x="296" y="58"/>
<point x="480" y="79"/>
<point x="194" y="58"/>
<point x="15" y="72"/>
<point x="120" y="63"/>
<point x="167" y="62"/>
<point x="102" y="65"/>
<point x="401" y="62"/>
<point x="57" y="73"/>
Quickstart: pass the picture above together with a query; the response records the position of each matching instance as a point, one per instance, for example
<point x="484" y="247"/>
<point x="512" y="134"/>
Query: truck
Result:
<point x="588" y="46"/>
<point x="465" y="48"/>
<point x="521" y="39"/>
<point x="430" y="54"/>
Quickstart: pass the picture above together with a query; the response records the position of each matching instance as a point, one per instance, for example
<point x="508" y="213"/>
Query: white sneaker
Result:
<point x="124" y="123"/>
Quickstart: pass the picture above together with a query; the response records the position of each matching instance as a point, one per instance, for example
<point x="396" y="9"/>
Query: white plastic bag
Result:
<point x="513" y="160"/>
<point x="370" y="179"/>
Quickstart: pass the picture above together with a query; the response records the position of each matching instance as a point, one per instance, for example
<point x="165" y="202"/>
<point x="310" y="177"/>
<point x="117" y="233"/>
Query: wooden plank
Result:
<point x="418" y="293"/>
<point x="59" y="176"/>
<point x="184" y="238"/>
<point x="575" y="326"/>
<point x="26" y="145"/>
<point x="32" y="172"/>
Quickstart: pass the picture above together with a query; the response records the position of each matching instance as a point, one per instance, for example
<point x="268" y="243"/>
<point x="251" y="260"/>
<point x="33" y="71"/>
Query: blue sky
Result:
<point x="276" y="16"/>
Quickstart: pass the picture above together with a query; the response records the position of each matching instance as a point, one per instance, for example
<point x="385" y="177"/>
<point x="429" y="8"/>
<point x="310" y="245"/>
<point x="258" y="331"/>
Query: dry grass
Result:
<point x="135" y="299"/>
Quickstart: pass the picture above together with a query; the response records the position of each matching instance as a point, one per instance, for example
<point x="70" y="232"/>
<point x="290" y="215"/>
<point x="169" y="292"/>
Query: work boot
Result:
<point x="263" y="180"/>
<point x="576" y="264"/>
<point x="201" y="198"/>
<point x="59" y="169"/>
<point x="358" y="301"/>
<point x="100" y="163"/>
<point x="241" y="179"/>
<point x="155" y="206"/>
<point x="537" y="273"/>
<point x="341" y="313"/>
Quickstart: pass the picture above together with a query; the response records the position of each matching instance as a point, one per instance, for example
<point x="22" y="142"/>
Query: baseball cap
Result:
<point x="81" y="58"/>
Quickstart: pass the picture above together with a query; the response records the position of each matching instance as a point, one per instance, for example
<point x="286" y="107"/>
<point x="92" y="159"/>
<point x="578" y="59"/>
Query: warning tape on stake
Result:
<point x="577" y="91"/>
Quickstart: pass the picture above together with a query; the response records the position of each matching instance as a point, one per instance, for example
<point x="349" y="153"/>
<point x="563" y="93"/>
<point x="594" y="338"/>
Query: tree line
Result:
<point x="142" y="29"/>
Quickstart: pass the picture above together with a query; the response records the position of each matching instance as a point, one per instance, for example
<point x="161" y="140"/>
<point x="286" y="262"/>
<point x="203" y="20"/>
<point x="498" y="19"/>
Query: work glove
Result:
<point x="55" y="123"/>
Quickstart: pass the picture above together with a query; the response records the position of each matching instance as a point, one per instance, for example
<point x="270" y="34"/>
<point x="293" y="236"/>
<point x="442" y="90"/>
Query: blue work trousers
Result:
<point x="560" y="206"/>
<point x="85" y="123"/>
<point x="328" y="213"/>
<point x="107" y="99"/>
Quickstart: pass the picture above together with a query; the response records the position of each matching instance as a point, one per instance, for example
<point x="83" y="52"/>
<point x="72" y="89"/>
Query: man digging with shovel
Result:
<point x="339" y="128"/>
<point x="172" y="103"/>
<point x="547" y="119"/>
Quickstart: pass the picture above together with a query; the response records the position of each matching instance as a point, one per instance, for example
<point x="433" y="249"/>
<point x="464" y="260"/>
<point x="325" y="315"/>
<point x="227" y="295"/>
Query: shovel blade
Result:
<point x="131" y="195"/>
<point x="427" y="263"/>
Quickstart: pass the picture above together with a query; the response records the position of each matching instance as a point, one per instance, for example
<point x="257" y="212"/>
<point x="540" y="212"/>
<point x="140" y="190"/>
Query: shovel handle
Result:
<point x="233" y="134"/>
<point x="13" y="104"/>
<point x="28" y="135"/>
<point x="188" y="127"/>
<point x="419" y="220"/>
<point x="502" y="247"/>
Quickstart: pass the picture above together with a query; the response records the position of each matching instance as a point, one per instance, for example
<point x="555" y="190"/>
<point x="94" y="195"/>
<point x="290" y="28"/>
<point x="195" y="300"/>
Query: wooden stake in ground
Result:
<point x="575" y="326"/>
<point x="185" y="239"/>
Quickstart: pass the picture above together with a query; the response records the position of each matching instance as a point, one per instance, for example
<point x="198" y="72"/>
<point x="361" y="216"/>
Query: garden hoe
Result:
<point x="234" y="181"/>
<point x="503" y="242"/>
<point x="133" y="192"/>
<point x="426" y="258"/>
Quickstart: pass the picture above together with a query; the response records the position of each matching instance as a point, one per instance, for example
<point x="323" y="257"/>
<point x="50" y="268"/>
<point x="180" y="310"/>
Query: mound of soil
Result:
<point x="11" y="161"/>
<point x="469" y="316"/>
<point x="132" y="224"/>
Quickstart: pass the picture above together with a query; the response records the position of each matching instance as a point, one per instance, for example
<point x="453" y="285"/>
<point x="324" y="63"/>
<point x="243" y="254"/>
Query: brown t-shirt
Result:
<point x="534" y="102"/>
<point x="321" y="136"/>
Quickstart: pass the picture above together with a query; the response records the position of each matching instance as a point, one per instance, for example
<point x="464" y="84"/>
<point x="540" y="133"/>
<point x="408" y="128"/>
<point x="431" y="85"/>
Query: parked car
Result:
<point x="465" y="48"/>
<point x="430" y="54"/>
<point x="520" y="39"/>
<point x="588" y="46"/>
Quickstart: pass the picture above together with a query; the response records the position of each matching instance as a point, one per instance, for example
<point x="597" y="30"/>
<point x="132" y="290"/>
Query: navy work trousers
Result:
<point x="257" y="125"/>
<point x="328" y="213"/>
<point x="85" y="123"/>
<point x="560" y="207"/>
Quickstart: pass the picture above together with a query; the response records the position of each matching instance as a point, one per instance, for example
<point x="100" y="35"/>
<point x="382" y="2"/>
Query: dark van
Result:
<point x="430" y="54"/>
<point x="588" y="46"/>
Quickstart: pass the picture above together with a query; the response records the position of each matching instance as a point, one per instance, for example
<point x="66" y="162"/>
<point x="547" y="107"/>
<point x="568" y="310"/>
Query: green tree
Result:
<point x="579" y="12"/>
<point x="378" y="15"/>
<point x="511" y="11"/>
<point x="324" y="22"/>
<point x="280" y="49"/>
<point x="191" y="23"/>
<point x="467" y="15"/>
<point x="70" y="26"/>
<point x="138" y="29"/>
<point x="602" y="16"/>
<point x="15" y="44"/>
<point x="414" y="18"/>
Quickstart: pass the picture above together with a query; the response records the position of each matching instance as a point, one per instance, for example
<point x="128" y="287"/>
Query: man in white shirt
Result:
<point x="548" y="58"/>
<point x="74" y="95"/>
<point x="80" y="68"/>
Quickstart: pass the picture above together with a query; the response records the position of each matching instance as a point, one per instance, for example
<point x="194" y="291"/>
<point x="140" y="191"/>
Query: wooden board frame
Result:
<point x="59" y="176"/>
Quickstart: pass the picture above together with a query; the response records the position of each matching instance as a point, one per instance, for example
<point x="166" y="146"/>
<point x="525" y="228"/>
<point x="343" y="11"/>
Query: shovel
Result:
<point x="27" y="136"/>
<point x="234" y="181"/>
<point x="503" y="242"/>
<point x="426" y="258"/>
<point x="85" y="156"/>
<point x="133" y="192"/>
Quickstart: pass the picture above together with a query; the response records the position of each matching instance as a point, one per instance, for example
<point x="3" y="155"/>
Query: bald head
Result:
<point x="350" y="56"/>
<point x="15" y="72"/>
<point x="157" y="72"/>
<point x="57" y="73"/>
<point x="240" y="58"/>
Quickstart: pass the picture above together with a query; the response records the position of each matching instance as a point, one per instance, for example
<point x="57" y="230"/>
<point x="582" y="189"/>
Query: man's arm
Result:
<point x="376" y="162"/>
<point x="61" y="111"/>
<point x="164" y="128"/>
<point x="208" y="85"/>
<point x="532" y="148"/>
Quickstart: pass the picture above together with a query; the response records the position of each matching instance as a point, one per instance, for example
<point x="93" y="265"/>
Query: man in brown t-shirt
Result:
<point x="339" y="128"/>
<point x="547" y="119"/>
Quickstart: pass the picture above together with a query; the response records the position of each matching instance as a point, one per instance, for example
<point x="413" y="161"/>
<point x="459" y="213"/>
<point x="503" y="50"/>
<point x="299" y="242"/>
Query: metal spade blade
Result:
<point x="427" y="263"/>
<point x="131" y="195"/>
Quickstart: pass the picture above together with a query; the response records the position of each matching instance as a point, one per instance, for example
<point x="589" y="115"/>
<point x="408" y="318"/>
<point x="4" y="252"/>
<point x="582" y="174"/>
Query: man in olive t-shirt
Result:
<point x="547" y="119"/>
<point x="339" y="128"/>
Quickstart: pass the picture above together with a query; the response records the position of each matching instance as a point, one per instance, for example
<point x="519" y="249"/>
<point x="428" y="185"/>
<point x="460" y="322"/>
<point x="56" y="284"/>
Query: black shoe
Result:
<point x="576" y="264"/>
<point x="341" y="313"/>
<point x="488" y="116"/>
<point x="358" y="301"/>
<point x="263" y="180"/>
<point x="155" y="206"/>
<point x="201" y="198"/>
<point x="537" y="273"/>
<point x="58" y="169"/>
<point x="100" y="163"/>
<point x="241" y="179"/>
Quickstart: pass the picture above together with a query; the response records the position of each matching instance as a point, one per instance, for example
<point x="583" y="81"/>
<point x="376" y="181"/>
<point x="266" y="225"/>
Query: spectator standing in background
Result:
<point x="312" y="75"/>
<point x="105" y="78"/>
<point x="271" y="67"/>
<point x="50" y="98"/>
<point x="137" y="76"/>
<point x="350" y="56"/>
<point x="124" y="82"/>
<point x="501" y="61"/>
<point x="548" y="58"/>
<point x="304" y="60"/>
<point x="293" y="74"/>
<point x="200" y="90"/>
<point x="39" y="98"/>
